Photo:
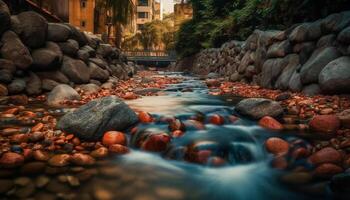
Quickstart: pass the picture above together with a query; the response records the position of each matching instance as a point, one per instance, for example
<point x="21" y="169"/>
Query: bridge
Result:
<point x="151" y="58"/>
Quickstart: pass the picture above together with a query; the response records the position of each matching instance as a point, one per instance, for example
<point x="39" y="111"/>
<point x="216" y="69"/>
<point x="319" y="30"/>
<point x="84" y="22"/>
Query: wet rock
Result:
<point x="335" y="77"/>
<point x="92" y="120"/>
<point x="311" y="90"/>
<point x="344" y="118"/>
<point x="34" y="29"/>
<point x="326" y="155"/>
<point x="146" y="91"/>
<point x="33" y="85"/>
<point x="14" y="50"/>
<point x="327" y="170"/>
<point x="113" y="137"/>
<point x="48" y="84"/>
<point x="283" y="96"/>
<point x="256" y="108"/>
<point x="320" y="58"/>
<point x="75" y="70"/>
<point x="47" y="58"/>
<point x="82" y="159"/>
<point x="277" y="146"/>
<point x="58" y="32"/>
<point x="155" y="142"/>
<point x="10" y="160"/>
<point x="59" y="160"/>
<point x="98" y="73"/>
<point x="216" y="119"/>
<point x="270" y="123"/>
<point x="145" y="117"/>
<point x="70" y="47"/>
<point x="5" y="19"/>
<point x="17" y="86"/>
<point x="213" y="83"/>
<point x="60" y="94"/>
<point x="325" y="123"/>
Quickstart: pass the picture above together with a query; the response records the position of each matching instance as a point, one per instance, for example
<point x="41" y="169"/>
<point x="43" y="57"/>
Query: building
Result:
<point x="81" y="14"/>
<point x="147" y="10"/>
<point x="182" y="12"/>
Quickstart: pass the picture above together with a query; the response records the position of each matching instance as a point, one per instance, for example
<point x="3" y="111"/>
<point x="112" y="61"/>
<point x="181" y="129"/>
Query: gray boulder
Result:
<point x="83" y="55"/>
<point x="101" y="63"/>
<point x="257" y="108"/>
<point x="90" y="88"/>
<point x="48" y="84"/>
<point x="33" y="84"/>
<point x="77" y="35"/>
<point x="60" y="94"/>
<point x="34" y="29"/>
<point x="5" y="17"/>
<point x="304" y="50"/>
<point x="105" y="50"/>
<point x="306" y="32"/>
<point x="279" y="49"/>
<point x="318" y="60"/>
<point x="246" y="61"/>
<point x="75" y="70"/>
<point x="335" y="77"/>
<point x="312" y="90"/>
<point x="98" y="73"/>
<point x="58" y="32"/>
<point x="295" y="84"/>
<point x="92" y="120"/>
<point x="326" y="41"/>
<point x="17" y="86"/>
<point x="283" y="80"/>
<point x="55" y="75"/>
<point x="90" y="50"/>
<point x="344" y="36"/>
<point x="14" y="50"/>
<point x="47" y="58"/>
<point x="70" y="48"/>
<point x="271" y="70"/>
<point x="336" y="22"/>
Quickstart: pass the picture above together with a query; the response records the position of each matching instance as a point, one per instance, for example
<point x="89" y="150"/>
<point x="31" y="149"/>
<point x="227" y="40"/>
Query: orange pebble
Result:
<point x="216" y="119"/>
<point x="145" y="117"/>
<point x="177" y="133"/>
<point x="114" y="137"/>
<point x="38" y="127"/>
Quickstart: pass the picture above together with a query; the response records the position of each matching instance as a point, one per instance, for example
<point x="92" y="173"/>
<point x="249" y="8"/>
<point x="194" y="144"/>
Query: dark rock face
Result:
<point x="5" y="76"/>
<point x="312" y="90"/>
<point x="7" y="65"/>
<point x="271" y="70"/>
<point x="33" y="86"/>
<point x="77" y="35"/>
<point x="336" y="22"/>
<point x="70" y="48"/>
<point x="91" y="121"/>
<point x="75" y="70"/>
<point x="283" y="80"/>
<point x="5" y="17"/>
<point x="256" y="108"/>
<point x="335" y="77"/>
<point x="34" y="29"/>
<point x="280" y="49"/>
<point x="295" y="84"/>
<point x="48" y="84"/>
<point x="14" y="50"/>
<point x="47" y="58"/>
<point x="306" y="32"/>
<point x="60" y="94"/>
<point x="57" y="76"/>
<point x="319" y="59"/>
<point x="344" y="36"/>
<point x="58" y="32"/>
<point x="98" y="73"/>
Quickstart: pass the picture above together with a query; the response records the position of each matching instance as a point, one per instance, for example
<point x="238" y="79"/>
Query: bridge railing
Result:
<point x="170" y="54"/>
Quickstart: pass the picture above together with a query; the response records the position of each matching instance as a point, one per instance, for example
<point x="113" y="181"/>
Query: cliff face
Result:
<point x="309" y="57"/>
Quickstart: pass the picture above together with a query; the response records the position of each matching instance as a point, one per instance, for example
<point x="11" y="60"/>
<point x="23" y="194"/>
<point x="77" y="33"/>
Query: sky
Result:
<point x="168" y="5"/>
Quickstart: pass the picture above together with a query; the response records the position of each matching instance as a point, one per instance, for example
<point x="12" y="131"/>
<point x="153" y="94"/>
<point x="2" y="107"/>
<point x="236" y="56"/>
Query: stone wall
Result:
<point x="310" y="57"/>
<point x="36" y="56"/>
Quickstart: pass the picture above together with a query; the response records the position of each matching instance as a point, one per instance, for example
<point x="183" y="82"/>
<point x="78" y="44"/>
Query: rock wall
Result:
<point x="310" y="57"/>
<point x="36" y="56"/>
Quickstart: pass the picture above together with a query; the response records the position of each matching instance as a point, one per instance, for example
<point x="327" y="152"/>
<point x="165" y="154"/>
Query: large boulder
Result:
<point x="17" y="86"/>
<point x="70" y="48"/>
<point x="98" y="73"/>
<point x="311" y="90"/>
<point x="279" y="49"/>
<point x="319" y="59"/>
<point x="344" y="36"/>
<point x="335" y="77"/>
<point x="295" y="84"/>
<point x="75" y="70"/>
<point x="271" y="70"/>
<point x="60" y="94"/>
<point x="58" y="32"/>
<point x="304" y="50"/>
<point x="105" y="50"/>
<point x="336" y="22"/>
<point x="14" y="50"/>
<point x="47" y="58"/>
<point x="77" y="35"/>
<point x="306" y="32"/>
<point x="92" y="120"/>
<point x="48" y="84"/>
<point x="34" y="29"/>
<point x="326" y="41"/>
<point x="5" y="17"/>
<point x="33" y="84"/>
<point x="283" y="80"/>
<point x="245" y="62"/>
<point x="257" y="108"/>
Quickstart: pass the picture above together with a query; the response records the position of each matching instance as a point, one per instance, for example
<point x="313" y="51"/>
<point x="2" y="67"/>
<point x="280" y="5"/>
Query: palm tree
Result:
<point x="117" y="13"/>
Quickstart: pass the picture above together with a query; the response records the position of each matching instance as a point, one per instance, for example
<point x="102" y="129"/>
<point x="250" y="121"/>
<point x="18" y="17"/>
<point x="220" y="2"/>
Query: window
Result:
<point x="83" y="23"/>
<point x="83" y="3"/>
<point x="143" y="3"/>
<point x="142" y="15"/>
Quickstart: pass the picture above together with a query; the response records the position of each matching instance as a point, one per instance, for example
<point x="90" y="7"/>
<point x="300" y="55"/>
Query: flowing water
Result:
<point x="142" y="175"/>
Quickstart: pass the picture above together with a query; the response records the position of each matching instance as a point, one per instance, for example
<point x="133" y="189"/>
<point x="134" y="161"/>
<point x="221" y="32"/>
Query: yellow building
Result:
<point x="147" y="10"/>
<point x="81" y="14"/>
<point x="182" y="12"/>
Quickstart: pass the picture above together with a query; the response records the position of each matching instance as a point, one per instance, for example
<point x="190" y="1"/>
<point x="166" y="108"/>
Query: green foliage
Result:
<point x="218" y="21"/>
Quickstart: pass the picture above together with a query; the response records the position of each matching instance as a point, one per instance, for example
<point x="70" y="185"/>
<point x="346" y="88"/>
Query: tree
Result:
<point x="117" y="13"/>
